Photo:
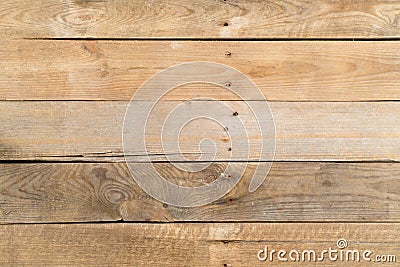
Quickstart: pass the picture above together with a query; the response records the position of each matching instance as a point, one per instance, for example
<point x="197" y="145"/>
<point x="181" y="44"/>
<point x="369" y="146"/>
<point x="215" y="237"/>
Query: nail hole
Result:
<point x="235" y="113"/>
<point x="226" y="24"/>
<point x="230" y="149"/>
<point x="228" y="54"/>
<point x="228" y="84"/>
<point x="165" y="205"/>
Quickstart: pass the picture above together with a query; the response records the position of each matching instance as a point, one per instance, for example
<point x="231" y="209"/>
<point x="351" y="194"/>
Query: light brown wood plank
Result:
<point x="284" y="71"/>
<point x="88" y="192"/>
<point x="305" y="131"/>
<point x="199" y="19"/>
<point x="211" y="244"/>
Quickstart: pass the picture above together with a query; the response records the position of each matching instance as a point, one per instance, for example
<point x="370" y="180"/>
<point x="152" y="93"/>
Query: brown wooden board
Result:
<point x="88" y="192"/>
<point x="210" y="244"/>
<point x="283" y="71"/>
<point x="199" y="19"/>
<point x="305" y="131"/>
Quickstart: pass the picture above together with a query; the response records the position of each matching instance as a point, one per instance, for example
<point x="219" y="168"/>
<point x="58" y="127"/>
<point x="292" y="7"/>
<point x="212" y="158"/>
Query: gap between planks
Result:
<point x="371" y="39"/>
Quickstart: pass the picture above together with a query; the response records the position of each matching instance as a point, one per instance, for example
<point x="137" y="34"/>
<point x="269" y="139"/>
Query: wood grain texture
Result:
<point x="88" y="192"/>
<point x="305" y="131"/>
<point x="65" y="188"/>
<point x="284" y="71"/>
<point x="187" y="244"/>
<point x="199" y="19"/>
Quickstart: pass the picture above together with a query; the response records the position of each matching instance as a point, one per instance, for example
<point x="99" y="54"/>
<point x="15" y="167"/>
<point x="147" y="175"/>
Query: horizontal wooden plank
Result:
<point x="213" y="244"/>
<point x="87" y="192"/>
<point x="305" y="131"/>
<point x="284" y="71"/>
<point x="199" y="19"/>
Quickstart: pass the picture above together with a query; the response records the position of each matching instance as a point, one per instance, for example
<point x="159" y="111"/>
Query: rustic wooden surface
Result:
<point x="331" y="73"/>
<point x="225" y="244"/>
<point x="199" y="19"/>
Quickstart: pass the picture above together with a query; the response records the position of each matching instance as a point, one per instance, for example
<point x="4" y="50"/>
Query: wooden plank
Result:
<point x="199" y="19"/>
<point x="284" y="71"/>
<point x="211" y="244"/>
<point x="305" y="131"/>
<point x="88" y="192"/>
